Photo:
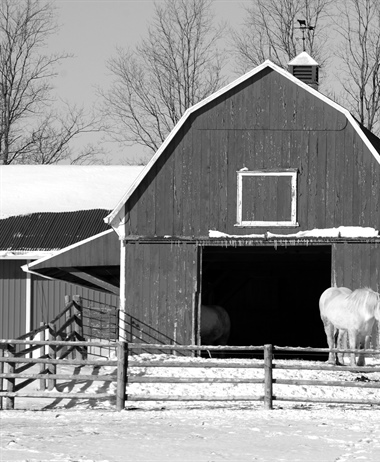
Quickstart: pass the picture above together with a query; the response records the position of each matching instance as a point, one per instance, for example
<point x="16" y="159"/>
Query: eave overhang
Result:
<point x="93" y="263"/>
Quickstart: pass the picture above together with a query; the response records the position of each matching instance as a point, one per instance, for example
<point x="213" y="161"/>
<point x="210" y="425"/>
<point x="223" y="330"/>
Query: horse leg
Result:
<point x="329" y="330"/>
<point x="340" y="337"/>
<point x="352" y="345"/>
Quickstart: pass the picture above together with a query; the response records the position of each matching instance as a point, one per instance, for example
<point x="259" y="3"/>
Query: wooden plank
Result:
<point x="321" y="174"/>
<point x="340" y="201"/>
<point x="178" y="197"/>
<point x="78" y="272"/>
<point x="330" y="196"/>
<point x="206" y="139"/>
<point x="194" y="380"/>
<point x="187" y="186"/>
<point x="147" y="312"/>
<point x="300" y="159"/>
<point x="224" y="187"/>
<point x="365" y="265"/>
<point x="347" y="267"/>
<point x="356" y="269"/>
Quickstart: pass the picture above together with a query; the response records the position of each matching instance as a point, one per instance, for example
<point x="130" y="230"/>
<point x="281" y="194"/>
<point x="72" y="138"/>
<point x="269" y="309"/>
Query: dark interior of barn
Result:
<point x="271" y="293"/>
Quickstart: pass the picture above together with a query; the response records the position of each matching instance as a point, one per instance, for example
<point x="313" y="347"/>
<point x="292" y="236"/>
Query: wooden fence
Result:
<point x="129" y="365"/>
<point x="18" y="369"/>
<point x="268" y="366"/>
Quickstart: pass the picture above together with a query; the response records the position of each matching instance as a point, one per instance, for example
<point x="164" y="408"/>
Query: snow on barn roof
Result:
<point x="26" y="189"/>
<point x="369" y="139"/>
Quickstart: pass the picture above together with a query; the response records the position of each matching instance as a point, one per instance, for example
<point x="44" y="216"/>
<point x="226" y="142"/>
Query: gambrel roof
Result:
<point x="369" y="139"/>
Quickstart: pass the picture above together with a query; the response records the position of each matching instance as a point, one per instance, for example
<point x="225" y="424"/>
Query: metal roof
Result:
<point x="50" y="231"/>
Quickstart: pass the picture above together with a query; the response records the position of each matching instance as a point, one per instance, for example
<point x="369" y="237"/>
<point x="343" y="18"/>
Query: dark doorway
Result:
<point x="271" y="294"/>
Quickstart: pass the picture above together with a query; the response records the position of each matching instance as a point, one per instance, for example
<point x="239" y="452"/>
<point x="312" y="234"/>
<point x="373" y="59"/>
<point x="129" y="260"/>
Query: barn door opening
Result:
<point x="271" y="294"/>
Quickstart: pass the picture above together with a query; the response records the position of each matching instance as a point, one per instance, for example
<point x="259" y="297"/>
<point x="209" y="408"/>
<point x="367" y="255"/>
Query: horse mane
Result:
<point x="358" y="297"/>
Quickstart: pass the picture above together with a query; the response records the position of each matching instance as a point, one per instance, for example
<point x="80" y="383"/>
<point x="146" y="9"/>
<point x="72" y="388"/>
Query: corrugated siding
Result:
<point x="266" y="123"/>
<point x="47" y="231"/>
<point x="160" y="295"/>
<point x="48" y="298"/>
<point x="12" y="298"/>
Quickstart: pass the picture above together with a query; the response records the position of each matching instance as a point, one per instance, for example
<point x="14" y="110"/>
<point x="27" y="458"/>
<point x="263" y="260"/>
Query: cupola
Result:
<point x="305" y="68"/>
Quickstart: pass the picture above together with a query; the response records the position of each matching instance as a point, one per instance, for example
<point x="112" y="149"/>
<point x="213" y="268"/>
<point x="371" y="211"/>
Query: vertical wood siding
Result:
<point x="161" y="283"/>
<point x="12" y="298"/>
<point x="266" y="123"/>
<point x="356" y="265"/>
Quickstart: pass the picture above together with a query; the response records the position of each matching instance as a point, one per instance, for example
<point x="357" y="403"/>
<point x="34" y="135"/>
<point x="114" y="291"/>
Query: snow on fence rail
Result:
<point x="133" y="373"/>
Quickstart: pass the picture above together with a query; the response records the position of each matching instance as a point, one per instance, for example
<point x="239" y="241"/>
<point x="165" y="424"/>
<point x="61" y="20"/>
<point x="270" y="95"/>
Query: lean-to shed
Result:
<point x="263" y="195"/>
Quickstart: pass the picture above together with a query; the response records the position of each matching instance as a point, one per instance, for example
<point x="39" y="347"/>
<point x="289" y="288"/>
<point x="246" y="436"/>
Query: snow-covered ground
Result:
<point x="88" y="430"/>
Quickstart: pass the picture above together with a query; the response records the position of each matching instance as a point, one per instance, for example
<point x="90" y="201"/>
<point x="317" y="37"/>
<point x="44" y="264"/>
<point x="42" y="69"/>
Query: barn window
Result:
<point x="267" y="198"/>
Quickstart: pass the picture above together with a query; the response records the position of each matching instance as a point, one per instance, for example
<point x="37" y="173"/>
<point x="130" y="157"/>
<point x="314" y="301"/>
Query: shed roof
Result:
<point x="49" y="231"/>
<point x="370" y="140"/>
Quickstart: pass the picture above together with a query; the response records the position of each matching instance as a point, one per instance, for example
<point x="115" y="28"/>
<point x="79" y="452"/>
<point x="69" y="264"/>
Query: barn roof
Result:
<point x="44" y="232"/>
<point x="370" y="140"/>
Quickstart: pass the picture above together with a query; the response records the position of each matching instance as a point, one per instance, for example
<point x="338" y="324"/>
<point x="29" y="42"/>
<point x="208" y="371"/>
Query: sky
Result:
<point x="91" y="30"/>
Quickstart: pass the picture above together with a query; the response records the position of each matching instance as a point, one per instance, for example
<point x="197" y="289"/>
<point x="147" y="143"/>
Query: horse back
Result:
<point x="331" y="296"/>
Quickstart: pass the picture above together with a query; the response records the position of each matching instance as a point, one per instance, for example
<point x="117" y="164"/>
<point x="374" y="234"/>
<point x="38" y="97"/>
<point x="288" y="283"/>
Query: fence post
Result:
<point x="68" y="327"/>
<point x="10" y="401"/>
<point x="1" y="372"/>
<point x="52" y="355"/>
<point x="268" y="377"/>
<point x="78" y="323"/>
<point x="122" y="366"/>
<point x="42" y="353"/>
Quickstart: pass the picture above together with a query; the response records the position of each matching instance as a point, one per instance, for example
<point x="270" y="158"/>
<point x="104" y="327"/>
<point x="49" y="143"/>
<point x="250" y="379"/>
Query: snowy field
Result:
<point x="89" y="430"/>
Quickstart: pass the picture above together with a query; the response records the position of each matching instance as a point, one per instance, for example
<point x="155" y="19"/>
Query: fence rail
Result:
<point x="48" y="371"/>
<point x="268" y="365"/>
<point x="17" y="374"/>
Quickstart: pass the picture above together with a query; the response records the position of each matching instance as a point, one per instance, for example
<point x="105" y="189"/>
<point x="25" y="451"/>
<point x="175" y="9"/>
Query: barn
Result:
<point x="262" y="196"/>
<point x="42" y="210"/>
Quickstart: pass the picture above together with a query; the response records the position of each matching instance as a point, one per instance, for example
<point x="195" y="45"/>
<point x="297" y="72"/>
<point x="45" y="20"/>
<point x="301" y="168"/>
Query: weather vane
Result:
<point x="304" y="27"/>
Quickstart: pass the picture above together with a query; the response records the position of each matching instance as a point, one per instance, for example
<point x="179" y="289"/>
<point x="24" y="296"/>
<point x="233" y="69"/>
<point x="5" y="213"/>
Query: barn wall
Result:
<point x="48" y="298"/>
<point x="161" y="287"/>
<point x="267" y="123"/>
<point x="356" y="265"/>
<point x="12" y="298"/>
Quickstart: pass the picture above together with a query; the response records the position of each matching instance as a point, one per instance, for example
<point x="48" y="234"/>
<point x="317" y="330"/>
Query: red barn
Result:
<point x="264" y="194"/>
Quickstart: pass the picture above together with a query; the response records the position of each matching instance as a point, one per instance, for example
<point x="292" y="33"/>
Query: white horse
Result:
<point x="354" y="312"/>
<point x="215" y="325"/>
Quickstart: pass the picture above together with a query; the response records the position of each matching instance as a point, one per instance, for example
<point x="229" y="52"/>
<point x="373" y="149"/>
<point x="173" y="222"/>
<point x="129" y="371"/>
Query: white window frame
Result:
<point x="292" y="173"/>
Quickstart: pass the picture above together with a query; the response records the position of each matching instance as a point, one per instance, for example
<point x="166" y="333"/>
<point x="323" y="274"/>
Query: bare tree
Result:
<point x="359" y="27"/>
<point x="28" y="131"/>
<point x="177" y="65"/>
<point x="50" y="141"/>
<point x="271" y="31"/>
